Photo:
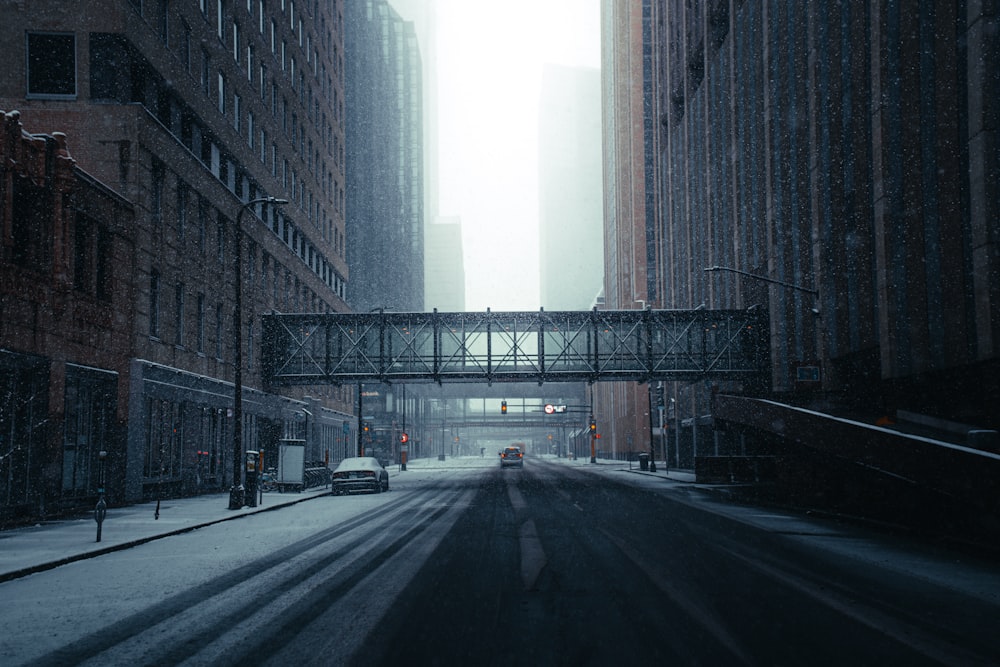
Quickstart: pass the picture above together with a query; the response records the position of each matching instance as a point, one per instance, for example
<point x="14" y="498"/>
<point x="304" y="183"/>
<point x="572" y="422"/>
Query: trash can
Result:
<point x="643" y="461"/>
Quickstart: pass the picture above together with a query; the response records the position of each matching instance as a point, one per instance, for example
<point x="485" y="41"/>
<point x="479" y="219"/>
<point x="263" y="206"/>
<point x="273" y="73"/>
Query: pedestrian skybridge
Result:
<point x="542" y="346"/>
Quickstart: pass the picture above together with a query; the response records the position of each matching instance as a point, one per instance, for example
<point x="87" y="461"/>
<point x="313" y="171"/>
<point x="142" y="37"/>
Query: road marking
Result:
<point x="532" y="555"/>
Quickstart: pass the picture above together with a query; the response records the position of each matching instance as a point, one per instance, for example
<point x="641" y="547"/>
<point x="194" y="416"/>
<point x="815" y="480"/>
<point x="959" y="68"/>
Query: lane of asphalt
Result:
<point x="51" y="544"/>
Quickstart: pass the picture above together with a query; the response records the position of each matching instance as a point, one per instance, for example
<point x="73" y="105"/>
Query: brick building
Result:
<point x="186" y="111"/>
<point x="66" y="319"/>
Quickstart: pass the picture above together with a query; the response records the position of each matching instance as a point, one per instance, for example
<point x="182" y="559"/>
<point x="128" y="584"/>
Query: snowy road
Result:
<point x="553" y="564"/>
<point x="238" y="592"/>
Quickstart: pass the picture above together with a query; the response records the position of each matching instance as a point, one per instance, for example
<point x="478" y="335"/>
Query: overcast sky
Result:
<point x="489" y="61"/>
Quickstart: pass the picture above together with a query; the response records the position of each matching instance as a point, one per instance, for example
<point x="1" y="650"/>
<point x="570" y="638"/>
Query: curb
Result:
<point x="51" y="565"/>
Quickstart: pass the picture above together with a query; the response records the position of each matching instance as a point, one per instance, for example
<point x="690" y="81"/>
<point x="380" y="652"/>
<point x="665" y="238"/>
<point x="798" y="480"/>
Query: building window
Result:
<point x="156" y="191"/>
<point x="201" y="323"/>
<point x="236" y="41"/>
<point x="179" y="314"/>
<point x="186" y="46"/>
<point x="221" y="237"/>
<point x="88" y="417"/>
<point x="51" y="65"/>
<point x="182" y="204"/>
<point x="251" y="130"/>
<point x="206" y="75"/>
<point x="222" y="93"/>
<point x="202" y="222"/>
<point x="250" y="344"/>
<point x="154" y="303"/>
<point x="220" y="12"/>
<point x="218" y="331"/>
<point x="163" y="20"/>
<point x="237" y="111"/>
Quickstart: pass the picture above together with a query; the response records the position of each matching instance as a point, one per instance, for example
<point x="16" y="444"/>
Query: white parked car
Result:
<point x="360" y="473"/>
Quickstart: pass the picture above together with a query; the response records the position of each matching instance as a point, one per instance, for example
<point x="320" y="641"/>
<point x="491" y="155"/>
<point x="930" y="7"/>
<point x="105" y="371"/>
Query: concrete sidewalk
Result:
<point x="49" y="544"/>
<point x="46" y="545"/>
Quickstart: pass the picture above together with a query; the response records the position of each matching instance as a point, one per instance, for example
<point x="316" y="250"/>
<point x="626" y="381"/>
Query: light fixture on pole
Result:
<point x="236" y="498"/>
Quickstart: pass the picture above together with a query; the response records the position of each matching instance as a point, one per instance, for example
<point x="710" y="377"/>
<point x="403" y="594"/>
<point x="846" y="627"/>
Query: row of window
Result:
<point x="226" y="96"/>
<point x="286" y="291"/>
<point x="280" y="224"/>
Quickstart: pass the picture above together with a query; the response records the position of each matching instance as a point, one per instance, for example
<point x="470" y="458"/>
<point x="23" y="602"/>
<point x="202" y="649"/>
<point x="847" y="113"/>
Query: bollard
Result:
<point x="102" y="506"/>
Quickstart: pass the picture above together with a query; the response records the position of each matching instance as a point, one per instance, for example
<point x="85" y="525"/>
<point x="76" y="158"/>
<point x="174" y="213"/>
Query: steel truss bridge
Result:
<point x="488" y="347"/>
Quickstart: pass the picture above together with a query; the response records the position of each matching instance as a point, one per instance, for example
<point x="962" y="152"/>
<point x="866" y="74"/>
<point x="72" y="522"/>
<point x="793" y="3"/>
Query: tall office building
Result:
<point x="832" y="163"/>
<point x="445" y="267"/>
<point x="184" y="113"/>
<point x="384" y="121"/>
<point x="569" y="191"/>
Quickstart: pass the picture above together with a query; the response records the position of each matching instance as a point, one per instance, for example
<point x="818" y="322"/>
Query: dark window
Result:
<point x="179" y="314"/>
<point x="89" y="412"/>
<point x="154" y="303"/>
<point x="51" y="64"/>
<point x="105" y="257"/>
<point x="221" y="237"/>
<point x="83" y="254"/>
<point x="31" y="225"/>
<point x="201" y="323"/>
<point x="218" y="331"/>
<point x="156" y="203"/>
<point x="182" y="205"/>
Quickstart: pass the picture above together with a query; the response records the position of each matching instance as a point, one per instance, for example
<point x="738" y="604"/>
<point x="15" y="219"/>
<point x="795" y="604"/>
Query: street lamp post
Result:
<point x="236" y="498"/>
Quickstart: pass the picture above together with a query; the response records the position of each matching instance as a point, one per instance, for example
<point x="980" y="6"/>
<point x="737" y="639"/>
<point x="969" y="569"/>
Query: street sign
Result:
<point x="405" y="437"/>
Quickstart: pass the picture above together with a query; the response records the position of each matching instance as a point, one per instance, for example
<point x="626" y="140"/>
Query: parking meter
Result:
<point x="251" y="477"/>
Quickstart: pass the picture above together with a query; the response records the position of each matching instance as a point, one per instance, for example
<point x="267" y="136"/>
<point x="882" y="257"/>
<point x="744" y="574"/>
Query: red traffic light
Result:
<point x="405" y="437"/>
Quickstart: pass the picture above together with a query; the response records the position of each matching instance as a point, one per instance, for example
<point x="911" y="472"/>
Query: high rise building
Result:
<point x="571" y="251"/>
<point x="186" y="112"/>
<point x="445" y="266"/>
<point x="384" y="122"/>
<point x="828" y="163"/>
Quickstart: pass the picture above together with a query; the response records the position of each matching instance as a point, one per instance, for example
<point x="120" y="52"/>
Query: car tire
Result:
<point x="378" y="487"/>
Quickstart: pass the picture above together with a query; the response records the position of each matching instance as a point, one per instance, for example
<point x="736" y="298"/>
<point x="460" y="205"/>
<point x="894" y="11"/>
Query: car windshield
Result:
<point x="358" y="463"/>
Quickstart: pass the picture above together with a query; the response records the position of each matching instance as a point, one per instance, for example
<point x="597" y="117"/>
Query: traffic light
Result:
<point x="503" y="407"/>
<point x="593" y="426"/>
<point x="365" y="427"/>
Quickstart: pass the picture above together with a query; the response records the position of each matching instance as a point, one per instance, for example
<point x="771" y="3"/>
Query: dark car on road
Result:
<point x="360" y="473"/>
<point x="511" y="456"/>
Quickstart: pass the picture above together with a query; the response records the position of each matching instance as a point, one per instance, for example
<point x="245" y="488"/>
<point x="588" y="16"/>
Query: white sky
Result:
<point x="490" y="58"/>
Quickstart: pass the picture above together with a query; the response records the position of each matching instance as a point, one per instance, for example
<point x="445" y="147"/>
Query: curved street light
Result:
<point x="766" y="279"/>
<point x="236" y="495"/>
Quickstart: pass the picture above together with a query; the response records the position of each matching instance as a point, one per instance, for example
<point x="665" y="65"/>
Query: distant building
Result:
<point x="384" y="129"/>
<point x="184" y="112"/>
<point x="571" y="250"/>
<point x="445" y="267"/>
